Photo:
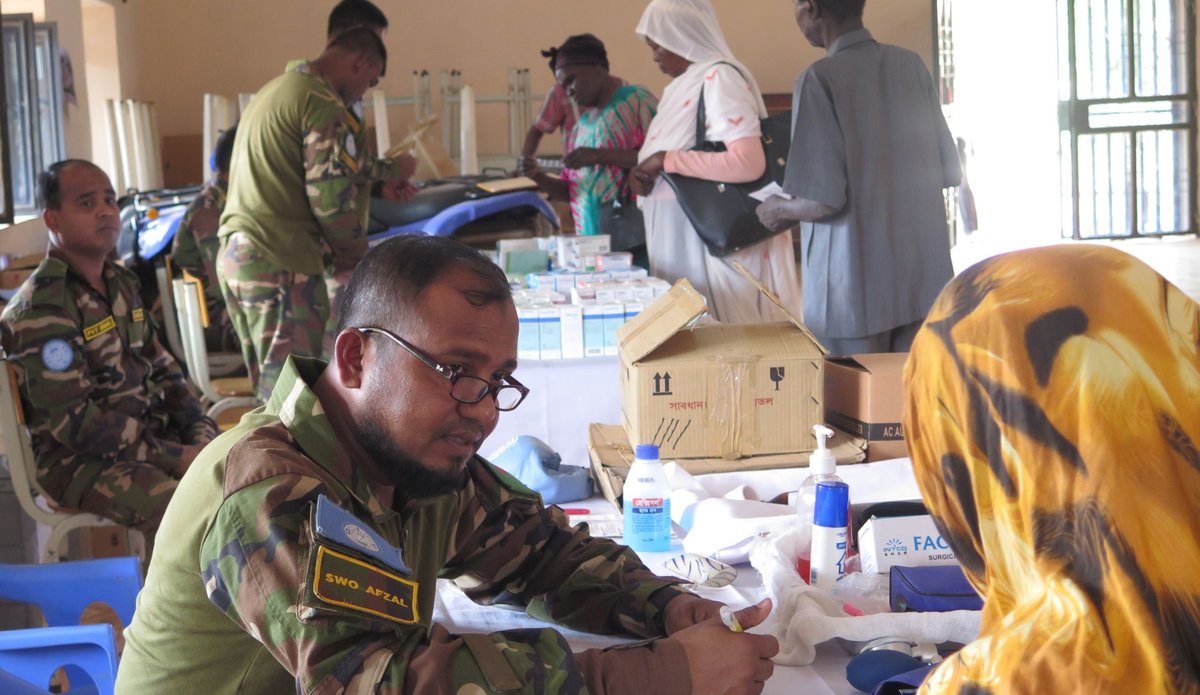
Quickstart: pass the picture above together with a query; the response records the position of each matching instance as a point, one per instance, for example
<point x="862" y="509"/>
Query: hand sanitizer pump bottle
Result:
<point x="821" y="466"/>
<point x="647" y="503"/>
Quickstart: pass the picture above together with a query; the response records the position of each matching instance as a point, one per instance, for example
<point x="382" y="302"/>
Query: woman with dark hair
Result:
<point x="610" y="129"/>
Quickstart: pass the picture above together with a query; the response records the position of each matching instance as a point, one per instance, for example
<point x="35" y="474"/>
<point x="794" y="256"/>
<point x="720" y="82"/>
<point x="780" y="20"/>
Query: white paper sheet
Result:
<point x="771" y="189"/>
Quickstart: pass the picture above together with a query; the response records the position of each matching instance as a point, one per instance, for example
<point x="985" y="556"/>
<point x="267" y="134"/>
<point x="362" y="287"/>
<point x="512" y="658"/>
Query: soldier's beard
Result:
<point x="405" y="472"/>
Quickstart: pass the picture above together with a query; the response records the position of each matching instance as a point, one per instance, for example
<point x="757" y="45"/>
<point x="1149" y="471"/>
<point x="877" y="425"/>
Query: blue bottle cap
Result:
<point x="646" y="452"/>
<point x="831" y="507"/>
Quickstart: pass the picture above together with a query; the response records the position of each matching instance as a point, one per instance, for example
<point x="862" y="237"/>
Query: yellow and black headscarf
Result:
<point x="1053" y="419"/>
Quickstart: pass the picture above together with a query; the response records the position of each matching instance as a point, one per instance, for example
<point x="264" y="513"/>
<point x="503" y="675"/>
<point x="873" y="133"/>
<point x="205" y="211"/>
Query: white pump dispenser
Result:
<point x="821" y="462"/>
<point x="821" y="467"/>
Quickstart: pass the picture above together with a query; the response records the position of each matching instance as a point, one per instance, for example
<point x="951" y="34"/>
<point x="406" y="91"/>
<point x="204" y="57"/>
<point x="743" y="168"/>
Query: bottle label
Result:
<point x="648" y="524"/>
<point x="828" y="561"/>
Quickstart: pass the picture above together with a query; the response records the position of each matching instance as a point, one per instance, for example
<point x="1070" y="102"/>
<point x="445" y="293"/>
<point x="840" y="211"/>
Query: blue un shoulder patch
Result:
<point x="333" y="524"/>
<point x="57" y="355"/>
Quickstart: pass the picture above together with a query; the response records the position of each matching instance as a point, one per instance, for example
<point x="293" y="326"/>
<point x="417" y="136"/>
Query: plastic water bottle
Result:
<point x="647" y="503"/>
<point x="821" y="466"/>
<point x="830" y="536"/>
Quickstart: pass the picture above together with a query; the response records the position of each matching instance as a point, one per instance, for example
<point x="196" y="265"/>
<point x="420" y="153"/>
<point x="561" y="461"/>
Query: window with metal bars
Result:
<point x="1128" y="117"/>
<point x="31" y="99"/>
<point x="1126" y="112"/>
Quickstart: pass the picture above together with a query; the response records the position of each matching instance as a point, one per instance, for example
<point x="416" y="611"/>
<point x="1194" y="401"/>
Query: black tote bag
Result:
<point x="623" y="223"/>
<point x="724" y="213"/>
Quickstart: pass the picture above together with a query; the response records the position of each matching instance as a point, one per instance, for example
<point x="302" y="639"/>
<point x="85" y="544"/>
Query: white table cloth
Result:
<point x="869" y="482"/>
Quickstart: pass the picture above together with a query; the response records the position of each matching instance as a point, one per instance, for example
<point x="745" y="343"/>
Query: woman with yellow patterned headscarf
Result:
<point x="1053" y="419"/>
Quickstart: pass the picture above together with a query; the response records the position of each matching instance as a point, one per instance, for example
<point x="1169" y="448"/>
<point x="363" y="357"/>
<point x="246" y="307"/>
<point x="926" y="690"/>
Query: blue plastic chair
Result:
<point x="89" y="652"/>
<point x="62" y="590"/>
<point x="11" y="685"/>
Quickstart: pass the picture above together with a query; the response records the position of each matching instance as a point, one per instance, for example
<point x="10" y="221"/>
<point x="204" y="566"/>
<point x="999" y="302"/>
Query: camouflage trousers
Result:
<point x="275" y="312"/>
<point x="134" y="494"/>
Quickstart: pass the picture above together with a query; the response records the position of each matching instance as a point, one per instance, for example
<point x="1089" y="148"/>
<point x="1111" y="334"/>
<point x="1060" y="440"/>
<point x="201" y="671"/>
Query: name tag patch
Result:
<point x="139" y="315"/>
<point x="343" y="581"/>
<point x="99" y="328"/>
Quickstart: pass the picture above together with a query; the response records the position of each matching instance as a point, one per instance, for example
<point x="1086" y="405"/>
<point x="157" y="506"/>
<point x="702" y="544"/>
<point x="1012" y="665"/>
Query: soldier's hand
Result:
<point x="686" y="610"/>
<point x="406" y="166"/>
<point x="398" y="190"/>
<point x="723" y="662"/>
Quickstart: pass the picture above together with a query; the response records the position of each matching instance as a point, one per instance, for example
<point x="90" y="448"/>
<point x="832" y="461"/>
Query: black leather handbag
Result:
<point x="724" y="213"/>
<point x="623" y="223"/>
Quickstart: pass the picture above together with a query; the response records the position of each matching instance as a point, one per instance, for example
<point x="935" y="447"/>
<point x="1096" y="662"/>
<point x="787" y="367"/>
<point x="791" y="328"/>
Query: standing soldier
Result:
<point x="114" y="422"/>
<point x="195" y="246"/>
<point x="292" y="216"/>
<point x="347" y="15"/>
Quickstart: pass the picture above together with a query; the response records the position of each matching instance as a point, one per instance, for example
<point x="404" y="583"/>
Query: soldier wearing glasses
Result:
<point x="305" y="544"/>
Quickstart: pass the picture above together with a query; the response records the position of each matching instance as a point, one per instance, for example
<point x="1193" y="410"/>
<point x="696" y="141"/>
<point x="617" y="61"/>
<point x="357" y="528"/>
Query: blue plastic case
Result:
<point x="934" y="589"/>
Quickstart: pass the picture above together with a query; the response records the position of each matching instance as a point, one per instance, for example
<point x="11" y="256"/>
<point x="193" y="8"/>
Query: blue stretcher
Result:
<point x="150" y="220"/>
<point x="450" y="219"/>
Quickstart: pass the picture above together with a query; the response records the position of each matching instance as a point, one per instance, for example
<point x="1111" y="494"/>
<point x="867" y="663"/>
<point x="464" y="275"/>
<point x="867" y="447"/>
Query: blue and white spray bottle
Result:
<point x="821" y="466"/>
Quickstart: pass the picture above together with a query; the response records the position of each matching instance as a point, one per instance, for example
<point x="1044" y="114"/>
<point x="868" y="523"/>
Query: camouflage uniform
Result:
<point x="297" y="210"/>
<point x="108" y="407"/>
<point x="276" y="599"/>
<point x="195" y="250"/>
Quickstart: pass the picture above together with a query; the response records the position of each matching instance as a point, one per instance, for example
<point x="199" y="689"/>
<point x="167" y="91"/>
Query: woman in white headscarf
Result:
<point x="687" y="43"/>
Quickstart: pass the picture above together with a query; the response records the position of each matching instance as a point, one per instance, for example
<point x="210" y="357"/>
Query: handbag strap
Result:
<point x="701" y="117"/>
<point x="702" y="112"/>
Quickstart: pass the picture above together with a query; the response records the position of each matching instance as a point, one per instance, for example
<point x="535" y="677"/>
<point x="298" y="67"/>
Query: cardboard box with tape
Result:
<point x="720" y="390"/>
<point x="864" y="395"/>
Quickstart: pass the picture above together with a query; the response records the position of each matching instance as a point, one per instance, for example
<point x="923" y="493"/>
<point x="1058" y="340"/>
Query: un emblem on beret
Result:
<point x="360" y="537"/>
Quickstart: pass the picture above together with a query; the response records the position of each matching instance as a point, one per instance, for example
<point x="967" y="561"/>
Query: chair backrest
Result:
<point x="162" y="275"/>
<point x="19" y="450"/>
<point x="85" y="652"/>
<point x="22" y="467"/>
<point x="188" y="302"/>
<point x="64" y="590"/>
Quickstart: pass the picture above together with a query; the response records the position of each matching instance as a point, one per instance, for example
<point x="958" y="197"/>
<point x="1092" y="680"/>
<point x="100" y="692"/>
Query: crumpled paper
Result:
<point x="722" y="527"/>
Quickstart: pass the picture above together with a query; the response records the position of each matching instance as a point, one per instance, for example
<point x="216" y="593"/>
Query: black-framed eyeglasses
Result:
<point x="464" y="388"/>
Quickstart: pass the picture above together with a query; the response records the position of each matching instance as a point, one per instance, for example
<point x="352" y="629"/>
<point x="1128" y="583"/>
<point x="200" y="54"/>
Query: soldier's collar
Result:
<point x="57" y="257"/>
<point x="301" y="412"/>
<point x="297" y="65"/>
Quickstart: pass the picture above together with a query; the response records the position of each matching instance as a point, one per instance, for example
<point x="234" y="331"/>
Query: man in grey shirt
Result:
<point x="870" y="155"/>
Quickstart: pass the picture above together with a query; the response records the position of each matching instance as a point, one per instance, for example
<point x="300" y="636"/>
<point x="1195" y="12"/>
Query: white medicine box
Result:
<point x="909" y="541"/>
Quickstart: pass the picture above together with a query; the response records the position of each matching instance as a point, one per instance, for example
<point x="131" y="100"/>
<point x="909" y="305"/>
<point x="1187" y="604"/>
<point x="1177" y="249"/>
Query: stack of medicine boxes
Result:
<point x="573" y="313"/>
<point x="569" y="314"/>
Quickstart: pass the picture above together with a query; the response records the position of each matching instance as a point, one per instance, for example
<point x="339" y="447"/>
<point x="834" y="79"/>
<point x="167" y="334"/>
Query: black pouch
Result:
<point x="936" y="589"/>
<point x="624" y="225"/>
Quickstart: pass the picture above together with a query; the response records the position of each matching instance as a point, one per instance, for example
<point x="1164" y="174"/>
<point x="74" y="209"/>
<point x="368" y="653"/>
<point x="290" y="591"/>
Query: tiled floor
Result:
<point x="1177" y="259"/>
